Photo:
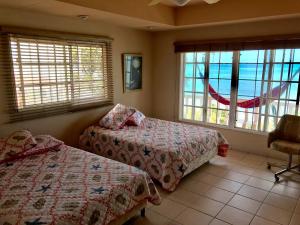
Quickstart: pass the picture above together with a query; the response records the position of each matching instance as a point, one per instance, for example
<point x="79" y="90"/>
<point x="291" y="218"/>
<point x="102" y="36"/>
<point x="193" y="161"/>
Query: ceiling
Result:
<point x="138" y="14"/>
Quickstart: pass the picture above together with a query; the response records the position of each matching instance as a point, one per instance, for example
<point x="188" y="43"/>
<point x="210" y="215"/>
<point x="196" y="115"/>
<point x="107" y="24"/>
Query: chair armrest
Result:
<point x="272" y="137"/>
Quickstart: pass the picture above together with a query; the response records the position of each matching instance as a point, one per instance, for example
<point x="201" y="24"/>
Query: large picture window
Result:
<point x="53" y="75"/>
<point x="249" y="89"/>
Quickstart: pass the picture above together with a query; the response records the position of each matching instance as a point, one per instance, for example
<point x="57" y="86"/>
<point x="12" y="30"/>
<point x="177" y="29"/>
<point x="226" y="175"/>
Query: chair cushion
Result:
<point x="286" y="147"/>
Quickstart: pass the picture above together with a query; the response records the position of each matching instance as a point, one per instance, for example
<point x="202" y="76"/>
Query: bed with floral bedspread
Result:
<point x="166" y="150"/>
<point x="68" y="186"/>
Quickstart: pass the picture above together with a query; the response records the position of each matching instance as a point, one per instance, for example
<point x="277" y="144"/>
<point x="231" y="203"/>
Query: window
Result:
<point x="249" y="89"/>
<point x="52" y="75"/>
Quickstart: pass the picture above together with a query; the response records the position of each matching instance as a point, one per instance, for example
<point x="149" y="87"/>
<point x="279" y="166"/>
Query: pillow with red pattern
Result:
<point x="44" y="143"/>
<point x="116" y="118"/>
<point x="135" y="119"/>
<point x="16" y="143"/>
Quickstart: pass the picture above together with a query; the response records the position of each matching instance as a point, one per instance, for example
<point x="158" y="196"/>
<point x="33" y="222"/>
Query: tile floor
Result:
<point x="236" y="190"/>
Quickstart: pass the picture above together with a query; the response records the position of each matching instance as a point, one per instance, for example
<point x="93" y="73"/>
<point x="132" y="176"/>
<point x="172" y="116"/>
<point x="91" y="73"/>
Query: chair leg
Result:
<point x="289" y="167"/>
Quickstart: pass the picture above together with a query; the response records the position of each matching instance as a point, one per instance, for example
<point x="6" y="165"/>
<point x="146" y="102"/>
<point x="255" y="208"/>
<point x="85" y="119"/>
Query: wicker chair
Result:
<point x="286" y="138"/>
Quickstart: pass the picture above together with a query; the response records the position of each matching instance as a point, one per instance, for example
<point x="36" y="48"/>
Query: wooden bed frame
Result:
<point x="133" y="212"/>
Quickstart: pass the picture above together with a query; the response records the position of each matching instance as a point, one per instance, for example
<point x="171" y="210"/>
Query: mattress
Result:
<point x="70" y="186"/>
<point x="166" y="150"/>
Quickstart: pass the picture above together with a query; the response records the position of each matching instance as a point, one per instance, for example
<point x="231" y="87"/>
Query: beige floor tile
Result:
<point x="291" y="181"/>
<point x="235" y="216"/>
<point x="286" y="191"/>
<point x="194" y="186"/>
<point x="245" y="204"/>
<point x="253" y="193"/>
<point x="243" y="169"/>
<point x="152" y="218"/>
<point x="295" y="219"/>
<point x="261" y="221"/>
<point x="169" y="208"/>
<point x="216" y="170"/>
<point x="238" y="177"/>
<point x="193" y="217"/>
<point x="229" y="185"/>
<point x="208" y="178"/>
<point x="219" y="195"/>
<point x="280" y="201"/>
<point x="275" y="214"/>
<point x="197" y="202"/>
<point x="264" y="174"/>
<point x="297" y="209"/>
<point x="260" y="183"/>
<point x="218" y="222"/>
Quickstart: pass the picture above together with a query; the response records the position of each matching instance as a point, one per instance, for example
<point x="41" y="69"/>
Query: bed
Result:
<point x="168" y="151"/>
<point x="68" y="186"/>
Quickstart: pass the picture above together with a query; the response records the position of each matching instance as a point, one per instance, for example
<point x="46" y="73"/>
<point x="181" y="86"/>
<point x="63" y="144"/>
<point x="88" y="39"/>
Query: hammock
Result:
<point x="255" y="102"/>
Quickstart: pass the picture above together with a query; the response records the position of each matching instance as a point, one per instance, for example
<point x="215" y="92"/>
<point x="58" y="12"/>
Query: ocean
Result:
<point x="250" y="78"/>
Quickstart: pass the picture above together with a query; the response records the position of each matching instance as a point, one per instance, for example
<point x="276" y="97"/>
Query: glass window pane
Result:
<point x="223" y="117"/>
<point x="199" y="100"/>
<point x="188" y="84"/>
<point x="214" y="57"/>
<point x="226" y="71"/>
<point x="226" y="57"/>
<point x="199" y="85"/>
<point x="198" y="114"/>
<point x="200" y="69"/>
<point x="212" y="115"/>
<point x="249" y="56"/>
<point x="189" y="70"/>
<point x="201" y="57"/>
<point x="187" y="112"/>
<point x="189" y="57"/>
<point x="214" y="70"/>
<point x="250" y="71"/>
<point x="188" y="99"/>
<point x="224" y="87"/>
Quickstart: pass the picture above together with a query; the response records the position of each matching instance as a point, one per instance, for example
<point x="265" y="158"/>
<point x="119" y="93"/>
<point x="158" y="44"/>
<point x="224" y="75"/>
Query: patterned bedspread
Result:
<point x="164" y="149"/>
<point x="69" y="187"/>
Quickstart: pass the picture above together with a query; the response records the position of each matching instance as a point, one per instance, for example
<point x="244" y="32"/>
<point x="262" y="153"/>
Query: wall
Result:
<point x="68" y="127"/>
<point x="165" y="70"/>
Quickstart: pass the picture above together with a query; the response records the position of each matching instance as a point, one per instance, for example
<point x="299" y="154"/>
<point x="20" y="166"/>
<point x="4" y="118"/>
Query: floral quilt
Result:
<point x="162" y="148"/>
<point x="70" y="186"/>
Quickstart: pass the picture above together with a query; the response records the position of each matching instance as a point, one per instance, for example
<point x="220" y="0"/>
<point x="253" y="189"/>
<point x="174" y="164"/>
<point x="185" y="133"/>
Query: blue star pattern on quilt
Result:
<point x="52" y="165"/>
<point x="146" y="151"/>
<point x="181" y="168"/>
<point x="35" y="222"/>
<point x="116" y="141"/>
<point x="44" y="188"/>
<point x="99" y="190"/>
<point x="93" y="133"/>
<point x="96" y="167"/>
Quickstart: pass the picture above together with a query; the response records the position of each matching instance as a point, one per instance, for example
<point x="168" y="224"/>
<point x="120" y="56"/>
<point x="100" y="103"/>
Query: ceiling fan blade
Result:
<point x="154" y="2"/>
<point x="181" y="2"/>
<point x="211" y="1"/>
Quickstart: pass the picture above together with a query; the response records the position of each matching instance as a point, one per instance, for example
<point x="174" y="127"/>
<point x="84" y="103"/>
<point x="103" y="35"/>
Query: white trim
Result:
<point x="212" y="125"/>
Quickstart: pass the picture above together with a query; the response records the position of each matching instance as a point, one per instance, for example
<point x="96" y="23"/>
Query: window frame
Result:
<point x="233" y="92"/>
<point x="17" y="113"/>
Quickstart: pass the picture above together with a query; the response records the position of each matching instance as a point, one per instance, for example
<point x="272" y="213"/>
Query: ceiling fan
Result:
<point x="181" y="2"/>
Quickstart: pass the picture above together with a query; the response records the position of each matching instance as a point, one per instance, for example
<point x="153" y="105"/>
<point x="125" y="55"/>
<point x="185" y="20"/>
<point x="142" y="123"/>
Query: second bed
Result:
<point x="168" y="151"/>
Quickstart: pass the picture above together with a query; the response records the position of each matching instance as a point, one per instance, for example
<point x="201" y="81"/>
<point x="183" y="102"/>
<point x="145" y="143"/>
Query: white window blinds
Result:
<point x="48" y="76"/>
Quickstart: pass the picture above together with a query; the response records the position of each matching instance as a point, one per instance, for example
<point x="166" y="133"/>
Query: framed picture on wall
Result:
<point x="132" y="71"/>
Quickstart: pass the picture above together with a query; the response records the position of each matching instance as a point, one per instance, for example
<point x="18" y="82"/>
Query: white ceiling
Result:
<point x="191" y="2"/>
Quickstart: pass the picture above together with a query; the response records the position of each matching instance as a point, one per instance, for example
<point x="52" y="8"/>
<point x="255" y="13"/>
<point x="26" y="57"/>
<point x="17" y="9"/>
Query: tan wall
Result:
<point x="165" y="74"/>
<point x="68" y="127"/>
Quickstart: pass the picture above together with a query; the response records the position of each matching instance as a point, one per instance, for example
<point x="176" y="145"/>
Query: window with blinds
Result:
<point x="53" y="75"/>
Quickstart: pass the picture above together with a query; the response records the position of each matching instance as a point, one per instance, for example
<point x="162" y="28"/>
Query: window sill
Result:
<point x="209" y="125"/>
